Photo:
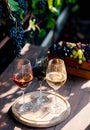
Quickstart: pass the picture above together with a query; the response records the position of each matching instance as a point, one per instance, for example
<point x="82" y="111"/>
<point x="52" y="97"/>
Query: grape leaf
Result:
<point x="14" y="6"/>
<point x="52" y="8"/>
<point x="51" y="22"/>
<point x="42" y="33"/>
<point x="21" y="13"/>
<point x="58" y="4"/>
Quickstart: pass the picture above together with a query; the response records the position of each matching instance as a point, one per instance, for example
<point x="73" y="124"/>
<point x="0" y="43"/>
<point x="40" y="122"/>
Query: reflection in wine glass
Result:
<point x="56" y="76"/>
<point x="39" y="72"/>
<point x="22" y="76"/>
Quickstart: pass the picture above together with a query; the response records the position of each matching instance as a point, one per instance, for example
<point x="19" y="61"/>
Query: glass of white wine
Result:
<point x="56" y="76"/>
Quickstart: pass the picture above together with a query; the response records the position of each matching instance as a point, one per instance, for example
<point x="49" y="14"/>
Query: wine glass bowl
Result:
<point x="56" y="76"/>
<point x="22" y="76"/>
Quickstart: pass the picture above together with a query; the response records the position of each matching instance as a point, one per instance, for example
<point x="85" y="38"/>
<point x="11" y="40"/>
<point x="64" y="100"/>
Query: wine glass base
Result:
<point x="56" y="109"/>
<point x="42" y="99"/>
<point x="25" y="108"/>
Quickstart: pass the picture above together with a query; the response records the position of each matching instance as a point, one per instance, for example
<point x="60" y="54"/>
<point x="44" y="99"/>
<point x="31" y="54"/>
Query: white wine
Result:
<point x="55" y="79"/>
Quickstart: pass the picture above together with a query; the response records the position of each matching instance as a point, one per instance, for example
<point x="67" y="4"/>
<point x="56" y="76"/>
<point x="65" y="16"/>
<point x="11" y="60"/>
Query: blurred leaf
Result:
<point x="51" y="23"/>
<point x="58" y="4"/>
<point x="42" y="33"/>
<point x="21" y="14"/>
<point x="14" y="6"/>
<point x="55" y="5"/>
<point x="71" y="1"/>
<point x="75" y="8"/>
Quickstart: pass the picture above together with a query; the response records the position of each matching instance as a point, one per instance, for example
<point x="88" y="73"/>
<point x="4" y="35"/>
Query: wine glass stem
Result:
<point x="23" y="97"/>
<point x="55" y="98"/>
<point x="40" y="82"/>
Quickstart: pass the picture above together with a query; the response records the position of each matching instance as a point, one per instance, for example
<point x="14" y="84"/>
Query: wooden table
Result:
<point x="76" y="91"/>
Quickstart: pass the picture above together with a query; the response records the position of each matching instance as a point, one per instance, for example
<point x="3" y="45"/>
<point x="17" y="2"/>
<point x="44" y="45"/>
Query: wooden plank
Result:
<point x="76" y="91"/>
<point x="74" y="62"/>
<point x="78" y="72"/>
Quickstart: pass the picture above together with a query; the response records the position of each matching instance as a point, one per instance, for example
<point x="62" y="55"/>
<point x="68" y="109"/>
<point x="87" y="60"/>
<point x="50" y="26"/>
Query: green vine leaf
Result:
<point x="51" y="23"/>
<point x="54" y="6"/>
<point x="50" y="3"/>
<point x="58" y="4"/>
<point x="42" y="33"/>
<point x="34" y="6"/>
<point x="71" y="1"/>
<point x="14" y="6"/>
<point x="21" y="13"/>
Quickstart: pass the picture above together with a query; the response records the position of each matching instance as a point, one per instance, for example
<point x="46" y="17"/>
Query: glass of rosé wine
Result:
<point x="22" y="76"/>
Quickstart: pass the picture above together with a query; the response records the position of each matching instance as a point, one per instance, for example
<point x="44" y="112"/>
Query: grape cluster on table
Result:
<point x="78" y="51"/>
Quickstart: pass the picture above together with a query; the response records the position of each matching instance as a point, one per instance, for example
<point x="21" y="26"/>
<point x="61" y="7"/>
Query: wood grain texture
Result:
<point x="76" y="90"/>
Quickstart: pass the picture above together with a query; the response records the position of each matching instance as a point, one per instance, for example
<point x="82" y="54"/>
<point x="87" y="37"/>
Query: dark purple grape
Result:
<point x="78" y="45"/>
<point x="83" y="46"/>
<point x="22" y="4"/>
<point x="59" y="48"/>
<point x="42" y="4"/>
<point x="64" y="49"/>
<point x="1" y="10"/>
<point x="66" y="54"/>
<point x="16" y="34"/>
<point x="88" y="60"/>
<point x="64" y="43"/>
<point x="69" y="51"/>
<point x="53" y="49"/>
<point x="87" y="49"/>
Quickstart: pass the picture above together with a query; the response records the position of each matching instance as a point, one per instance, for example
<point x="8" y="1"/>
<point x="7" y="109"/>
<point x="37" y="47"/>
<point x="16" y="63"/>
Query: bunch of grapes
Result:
<point x="13" y="23"/>
<point x="1" y="12"/>
<point x="42" y="4"/>
<point x="15" y="31"/>
<point x="87" y="53"/>
<point x="61" y="51"/>
<point x="79" y="51"/>
<point x="22" y="5"/>
<point x="1" y="9"/>
<point x="16" y="34"/>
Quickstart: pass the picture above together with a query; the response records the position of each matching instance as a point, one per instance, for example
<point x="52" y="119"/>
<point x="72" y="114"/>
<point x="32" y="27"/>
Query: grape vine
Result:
<point x="12" y="12"/>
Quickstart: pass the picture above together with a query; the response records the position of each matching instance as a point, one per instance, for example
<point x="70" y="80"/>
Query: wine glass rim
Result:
<point x="56" y="59"/>
<point x="24" y="59"/>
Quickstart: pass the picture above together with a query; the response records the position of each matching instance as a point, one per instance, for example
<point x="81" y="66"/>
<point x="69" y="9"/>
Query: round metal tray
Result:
<point x="40" y="116"/>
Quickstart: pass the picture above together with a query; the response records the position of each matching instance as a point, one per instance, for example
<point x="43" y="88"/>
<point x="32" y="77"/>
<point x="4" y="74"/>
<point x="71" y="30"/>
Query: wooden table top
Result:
<point x="76" y="91"/>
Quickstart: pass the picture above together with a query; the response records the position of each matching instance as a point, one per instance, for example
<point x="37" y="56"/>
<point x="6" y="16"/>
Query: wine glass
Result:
<point x="22" y="76"/>
<point x="56" y="76"/>
<point x="39" y="72"/>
